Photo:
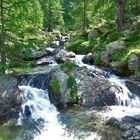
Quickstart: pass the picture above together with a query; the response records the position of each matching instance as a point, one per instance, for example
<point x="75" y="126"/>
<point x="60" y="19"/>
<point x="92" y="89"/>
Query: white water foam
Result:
<point x="41" y="107"/>
<point x="128" y="103"/>
<point x="78" y="61"/>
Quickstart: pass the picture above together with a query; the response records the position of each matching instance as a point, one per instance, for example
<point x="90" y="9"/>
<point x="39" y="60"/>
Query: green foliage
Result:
<point x="84" y="48"/>
<point x="97" y="58"/>
<point x="53" y="14"/>
<point x="72" y="46"/>
<point x="71" y="83"/>
<point x="55" y="85"/>
<point x="67" y="67"/>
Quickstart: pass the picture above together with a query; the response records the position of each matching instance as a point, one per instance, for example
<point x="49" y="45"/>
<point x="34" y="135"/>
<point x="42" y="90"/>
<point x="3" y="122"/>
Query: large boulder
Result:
<point x="93" y="34"/>
<point x="133" y="63"/>
<point x="10" y="98"/>
<point x="94" y="90"/>
<point x="61" y="94"/>
<point x="114" y="46"/>
<point x="63" y="56"/>
<point x="111" y="48"/>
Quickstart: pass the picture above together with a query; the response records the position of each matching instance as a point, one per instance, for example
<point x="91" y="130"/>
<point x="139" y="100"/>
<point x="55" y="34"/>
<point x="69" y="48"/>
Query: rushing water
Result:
<point x="45" y="116"/>
<point x="128" y="103"/>
<point x="45" y="121"/>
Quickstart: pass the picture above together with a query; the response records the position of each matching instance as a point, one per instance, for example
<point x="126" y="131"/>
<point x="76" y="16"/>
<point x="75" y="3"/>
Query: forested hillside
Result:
<point x="27" y="25"/>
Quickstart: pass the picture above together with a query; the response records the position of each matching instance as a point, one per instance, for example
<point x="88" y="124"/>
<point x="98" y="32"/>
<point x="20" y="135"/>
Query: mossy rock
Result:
<point x="84" y="48"/>
<point x="74" y="45"/>
<point x="55" y="85"/>
<point x="67" y="67"/>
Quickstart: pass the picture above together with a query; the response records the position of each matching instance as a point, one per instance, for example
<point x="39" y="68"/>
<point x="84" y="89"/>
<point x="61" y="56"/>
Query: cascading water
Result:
<point x="46" y="114"/>
<point x="128" y="103"/>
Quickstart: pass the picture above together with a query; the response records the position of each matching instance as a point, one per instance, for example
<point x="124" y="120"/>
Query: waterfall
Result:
<point x="50" y="126"/>
<point x="127" y="102"/>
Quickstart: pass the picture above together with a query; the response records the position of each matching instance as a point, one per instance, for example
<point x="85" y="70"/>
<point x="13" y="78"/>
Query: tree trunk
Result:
<point x="2" y="49"/>
<point x="120" y="14"/>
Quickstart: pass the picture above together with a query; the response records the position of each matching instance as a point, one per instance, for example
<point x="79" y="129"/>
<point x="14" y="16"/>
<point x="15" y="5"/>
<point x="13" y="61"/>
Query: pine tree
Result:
<point x="18" y="19"/>
<point x="53" y="14"/>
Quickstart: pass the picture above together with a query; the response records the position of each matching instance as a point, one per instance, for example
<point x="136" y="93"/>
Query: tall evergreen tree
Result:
<point x="53" y="14"/>
<point x="18" y="19"/>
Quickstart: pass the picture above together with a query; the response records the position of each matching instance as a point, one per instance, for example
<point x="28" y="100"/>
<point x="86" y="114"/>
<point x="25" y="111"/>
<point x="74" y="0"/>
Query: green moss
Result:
<point x="55" y="85"/>
<point x="84" y="48"/>
<point x="71" y="83"/>
<point x="97" y="59"/>
<point x="74" y="45"/>
<point x="67" y="67"/>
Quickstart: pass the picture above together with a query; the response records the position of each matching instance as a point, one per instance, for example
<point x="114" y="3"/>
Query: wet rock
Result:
<point x="126" y="126"/>
<point x="71" y="55"/>
<point x="27" y="111"/>
<point x="113" y="122"/>
<point x="135" y="131"/>
<point x="127" y="134"/>
<point x="137" y="118"/>
<point x="134" y="138"/>
<point x="10" y="98"/>
<point x="44" y="61"/>
<point x="133" y="86"/>
<point x="128" y="119"/>
<point x="55" y="44"/>
<point x="64" y="39"/>
<point x="88" y="59"/>
<point x="49" y="51"/>
<point x="61" y="57"/>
